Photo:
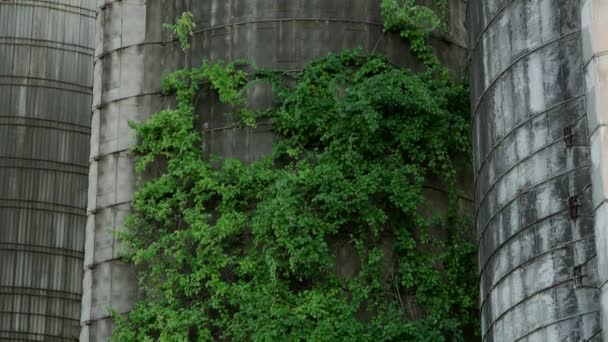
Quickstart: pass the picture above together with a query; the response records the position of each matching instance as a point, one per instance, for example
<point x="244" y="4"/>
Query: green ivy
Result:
<point x="415" y="23"/>
<point x="235" y="251"/>
<point x="183" y="29"/>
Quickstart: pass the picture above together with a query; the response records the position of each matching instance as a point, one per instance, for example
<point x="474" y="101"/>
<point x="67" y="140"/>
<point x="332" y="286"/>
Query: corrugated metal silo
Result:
<point x="45" y="100"/>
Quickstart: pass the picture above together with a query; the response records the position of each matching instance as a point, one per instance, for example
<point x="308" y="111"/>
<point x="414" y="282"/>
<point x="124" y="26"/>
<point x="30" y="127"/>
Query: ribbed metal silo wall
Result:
<point x="533" y="187"/>
<point x="133" y="52"/>
<point x="46" y="84"/>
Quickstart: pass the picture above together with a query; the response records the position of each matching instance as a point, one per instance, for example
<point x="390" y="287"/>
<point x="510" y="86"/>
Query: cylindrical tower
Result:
<point x="537" y="252"/>
<point x="133" y="53"/>
<point x="45" y="100"/>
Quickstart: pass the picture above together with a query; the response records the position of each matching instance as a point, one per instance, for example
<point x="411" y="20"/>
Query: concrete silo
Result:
<point x="46" y="84"/>
<point x="132" y="53"/>
<point x="535" y="217"/>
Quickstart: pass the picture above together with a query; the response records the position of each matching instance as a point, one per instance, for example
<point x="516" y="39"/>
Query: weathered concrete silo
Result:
<point x="45" y="100"/>
<point x="133" y="52"/>
<point x="594" y="25"/>
<point x="539" y="278"/>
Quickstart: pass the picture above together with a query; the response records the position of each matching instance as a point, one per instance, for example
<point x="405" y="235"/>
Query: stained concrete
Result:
<point x="535" y="209"/>
<point x="595" y="67"/>
<point x="133" y="52"/>
<point x="46" y="53"/>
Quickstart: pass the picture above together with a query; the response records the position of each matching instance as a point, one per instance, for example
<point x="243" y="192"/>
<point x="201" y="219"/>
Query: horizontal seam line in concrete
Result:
<point x="93" y="265"/>
<point x="518" y="267"/>
<point x="46" y="161"/>
<point x="560" y="283"/>
<point x="105" y="104"/>
<point x="38" y="314"/>
<point x="517" y="60"/>
<point x="53" y="211"/>
<point x="595" y="56"/>
<point x="526" y="191"/>
<point x="54" y="3"/>
<point x="158" y="93"/>
<point x="499" y="247"/>
<point x="521" y="124"/>
<point x="36" y="249"/>
<point x="77" y="257"/>
<point x="90" y="321"/>
<point x="274" y="20"/>
<point x="526" y="158"/>
<point x="34" y="334"/>
<point x="523" y="229"/>
<point x="46" y="87"/>
<point x="596" y="129"/>
<point x="604" y="201"/>
<point x="99" y="156"/>
<point x="44" y="202"/>
<point x="109" y="206"/>
<point x="47" y="80"/>
<point x="27" y="118"/>
<point x="67" y="339"/>
<point x="490" y="23"/>
<point x="548" y="324"/>
<point x="48" y="47"/>
<point x="601" y="287"/>
<point x="594" y="335"/>
<point x="104" y="53"/>
<point x="511" y="169"/>
<point x="47" y="127"/>
<point x="41" y="289"/>
<point x="18" y="244"/>
<point x="52" y="6"/>
<point x="48" y="41"/>
<point x="44" y="169"/>
<point x="235" y="125"/>
<point x="68" y="298"/>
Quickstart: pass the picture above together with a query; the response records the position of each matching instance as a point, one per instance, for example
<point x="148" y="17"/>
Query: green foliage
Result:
<point x="182" y="29"/>
<point x="415" y="23"/>
<point x="235" y="251"/>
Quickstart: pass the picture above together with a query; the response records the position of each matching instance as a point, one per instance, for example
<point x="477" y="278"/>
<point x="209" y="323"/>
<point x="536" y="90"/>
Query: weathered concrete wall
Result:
<point x="130" y="58"/>
<point x="285" y="36"/>
<point x="45" y="100"/>
<point x="594" y="22"/>
<point x="132" y="53"/>
<point x="533" y="182"/>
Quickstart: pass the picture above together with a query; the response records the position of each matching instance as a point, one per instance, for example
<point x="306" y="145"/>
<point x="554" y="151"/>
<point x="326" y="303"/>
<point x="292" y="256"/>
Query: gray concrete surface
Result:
<point x="539" y="278"/>
<point x="45" y="99"/>
<point x="131" y="55"/>
<point x="594" y="25"/>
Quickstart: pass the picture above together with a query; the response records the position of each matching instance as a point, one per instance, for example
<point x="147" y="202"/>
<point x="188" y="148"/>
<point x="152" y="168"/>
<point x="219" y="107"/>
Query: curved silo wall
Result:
<point x="45" y="103"/>
<point x="594" y="25"/>
<point x="133" y="52"/>
<point x="533" y="189"/>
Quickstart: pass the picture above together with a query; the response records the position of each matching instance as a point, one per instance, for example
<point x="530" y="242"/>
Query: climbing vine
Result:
<point x="183" y="29"/>
<point x="329" y="237"/>
<point x="415" y="23"/>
